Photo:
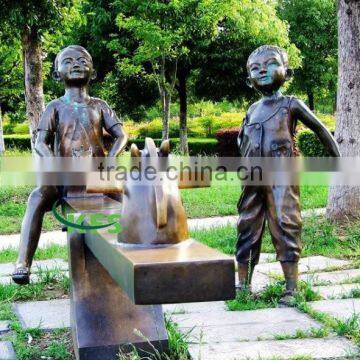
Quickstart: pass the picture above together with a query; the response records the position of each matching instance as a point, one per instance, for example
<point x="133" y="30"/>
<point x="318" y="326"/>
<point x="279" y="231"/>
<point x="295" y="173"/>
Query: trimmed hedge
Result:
<point x="227" y="142"/>
<point x="198" y="127"/>
<point x="21" y="142"/>
<point x="309" y="144"/>
<point x="196" y="146"/>
<point x="224" y="144"/>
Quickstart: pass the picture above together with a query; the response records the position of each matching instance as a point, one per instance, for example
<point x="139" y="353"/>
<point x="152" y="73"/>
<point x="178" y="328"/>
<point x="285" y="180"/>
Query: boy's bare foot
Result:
<point x="21" y="275"/>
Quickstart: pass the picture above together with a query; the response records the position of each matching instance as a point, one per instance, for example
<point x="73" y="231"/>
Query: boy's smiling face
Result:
<point x="267" y="71"/>
<point x="75" y="67"/>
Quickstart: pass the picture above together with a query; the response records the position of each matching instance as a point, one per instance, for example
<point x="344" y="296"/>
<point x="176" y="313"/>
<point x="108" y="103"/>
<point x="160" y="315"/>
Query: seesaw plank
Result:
<point x="186" y="272"/>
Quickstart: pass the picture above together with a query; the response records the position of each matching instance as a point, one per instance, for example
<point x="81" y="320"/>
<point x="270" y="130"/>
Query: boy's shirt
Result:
<point x="77" y="129"/>
<point x="271" y="136"/>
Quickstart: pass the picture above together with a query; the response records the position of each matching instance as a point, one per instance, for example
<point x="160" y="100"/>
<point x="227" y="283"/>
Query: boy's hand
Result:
<point x="309" y="119"/>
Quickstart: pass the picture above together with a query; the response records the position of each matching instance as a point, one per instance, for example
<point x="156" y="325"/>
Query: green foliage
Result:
<point x="249" y="24"/>
<point x="210" y="125"/>
<point x="11" y="73"/>
<point x="154" y="128"/>
<point x="206" y="126"/>
<point x="21" y="129"/>
<point x="54" y="279"/>
<point x="252" y="301"/>
<point x="310" y="145"/>
<point x="313" y="29"/>
<point x="269" y="298"/>
<point x="42" y="15"/>
<point x="177" y="341"/>
<point x="178" y="347"/>
<point x="319" y="237"/>
<point x="167" y="34"/>
<point x="53" y="251"/>
<point x="7" y="128"/>
<point x="165" y="30"/>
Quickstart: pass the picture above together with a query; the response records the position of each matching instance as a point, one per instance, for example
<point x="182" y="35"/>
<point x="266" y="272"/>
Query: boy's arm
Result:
<point x="45" y="132"/>
<point x="308" y="118"/>
<point x="121" y="138"/>
<point x="114" y="127"/>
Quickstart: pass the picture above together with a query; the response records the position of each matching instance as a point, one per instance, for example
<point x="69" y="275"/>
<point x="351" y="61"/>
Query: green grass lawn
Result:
<point x="217" y="200"/>
<point x="319" y="237"/>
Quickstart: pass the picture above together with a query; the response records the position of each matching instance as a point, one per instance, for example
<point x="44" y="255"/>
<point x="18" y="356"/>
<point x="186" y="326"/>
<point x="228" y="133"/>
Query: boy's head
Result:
<point x="268" y="68"/>
<point x="74" y="65"/>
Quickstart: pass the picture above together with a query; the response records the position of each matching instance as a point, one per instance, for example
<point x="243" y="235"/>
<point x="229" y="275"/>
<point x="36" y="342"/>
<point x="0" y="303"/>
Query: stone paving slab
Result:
<point x="51" y="264"/>
<point x="327" y="348"/>
<point x="341" y="309"/>
<point x="232" y="326"/>
<point x="259" y="281"/>
<point x="336" y="291"/>
<point x="7" y="351"/>
<point x="46" y="239"/>
<point x="201" y="307"/>
<point x="332" y="277"/>
<point x="4" y="327"/>
<point x="267" y="258"/>
<point x="308" y="264"/>
<point x="47" y="315"/>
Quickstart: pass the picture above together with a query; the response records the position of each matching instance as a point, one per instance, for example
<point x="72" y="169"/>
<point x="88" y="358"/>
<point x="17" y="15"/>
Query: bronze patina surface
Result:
<point x="103" y="319"/>
<point x="269" y="130"/>
<point x="173" y="273"/>
<point x="71" y="126"/>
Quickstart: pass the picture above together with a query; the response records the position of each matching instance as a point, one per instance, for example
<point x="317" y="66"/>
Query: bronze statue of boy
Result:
<point x="70" y="126"/>
<point x="268" y="131"/>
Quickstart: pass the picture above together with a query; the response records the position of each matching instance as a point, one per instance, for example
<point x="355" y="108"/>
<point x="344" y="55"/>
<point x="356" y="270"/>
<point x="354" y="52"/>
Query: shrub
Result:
<point x="227" y="142"/>
<point x="201" y="146"/>
<point x="21" y="142"/>
<point x="7" y="128"/>
<point x="132" y="128"/>
<point x="153" y="129"/>
<point x="328" y="120"/>
<point x="21" y="129"/>
<point x="309" y="144"/>
<point x="208" y="126"/>
<point x="196" y="146"/>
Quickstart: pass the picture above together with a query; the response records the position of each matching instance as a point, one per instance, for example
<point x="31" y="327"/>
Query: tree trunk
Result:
<point x="34" y="95"/>
<point x="310" y="95"/>
<point x="344" y="201"/>
<point x="184" y="148"/>
<point x="165" y="101"/>
<point x="2" y="143"/>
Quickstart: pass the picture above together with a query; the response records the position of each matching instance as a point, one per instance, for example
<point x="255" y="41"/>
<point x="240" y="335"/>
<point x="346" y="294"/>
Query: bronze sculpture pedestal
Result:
<point x="103" y="318"/>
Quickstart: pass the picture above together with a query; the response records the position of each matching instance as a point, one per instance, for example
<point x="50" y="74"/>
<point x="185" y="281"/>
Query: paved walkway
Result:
<point x="59" y="237"/>
<point x="214" y="333"/>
